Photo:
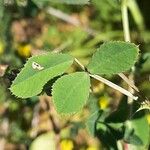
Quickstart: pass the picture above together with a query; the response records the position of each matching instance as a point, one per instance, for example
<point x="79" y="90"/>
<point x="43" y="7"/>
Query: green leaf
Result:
<point x="140" y="127"/>
<point x="45" y="141"/>
<point x="113" y="58"/>
<point x="94" y="113"/>
<point x="71" y="92"/>
<point x="91" y="122"/>
<point x="32" y="78"/>
<point x="92" y="104"/>
<point x="106" y="136"/>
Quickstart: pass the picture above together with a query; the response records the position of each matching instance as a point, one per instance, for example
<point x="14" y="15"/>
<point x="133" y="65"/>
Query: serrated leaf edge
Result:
<point x="138" y="52"/>
<point x="72" y="113"/>
<point x="36" y="74"/>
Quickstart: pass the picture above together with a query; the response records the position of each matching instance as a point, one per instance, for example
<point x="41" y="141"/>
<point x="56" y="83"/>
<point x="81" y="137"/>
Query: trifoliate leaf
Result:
<point x="71" y="92"/>
<point x="37" y="72"/>
<point x="113" y="58"/>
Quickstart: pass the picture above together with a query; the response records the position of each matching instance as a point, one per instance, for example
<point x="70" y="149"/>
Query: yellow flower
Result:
<point x="103" y="102"/>
<point x="148" y="118"/>
<point x="66" y="145"/>
<point x="91" y="148"/>
<point x="24" y="50"/>
<point x="1" y="47"/>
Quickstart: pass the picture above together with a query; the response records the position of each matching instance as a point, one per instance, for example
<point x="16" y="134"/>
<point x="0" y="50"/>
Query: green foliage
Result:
<point x="37" y="72"/>
<point x="16" y="132"/>
<point x="70" y="92"/>
<point x="110" y="58"/>
<point x="26" y="120"/>
<point x="2" y="93"/>
<point x="113" y="58"/>
<point x="116" y="126"/>
<point x="1" y="9"/>
<point x="41" y="3"/>
<point x="136" y="131"/>
<point x="105" y="8"/>
<point x="91" y="122"/>
<point x="72" y="2"/>
<point x="93" y="116"/>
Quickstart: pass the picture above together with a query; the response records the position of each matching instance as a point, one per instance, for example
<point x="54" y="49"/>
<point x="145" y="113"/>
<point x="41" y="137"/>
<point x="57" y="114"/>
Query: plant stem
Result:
<point x="114" y="86"/>
<point x="79" y="63"/>
<point x="107" y="82"/>
<point x="125" y="20"/>
<point x="128" y="81"/>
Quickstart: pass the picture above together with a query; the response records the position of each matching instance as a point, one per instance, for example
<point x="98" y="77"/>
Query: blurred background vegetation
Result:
<point x="29" y="27"/>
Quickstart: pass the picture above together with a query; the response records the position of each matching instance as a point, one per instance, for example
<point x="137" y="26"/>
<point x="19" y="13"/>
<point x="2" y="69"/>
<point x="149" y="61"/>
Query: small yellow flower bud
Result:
<point x="66" y="145"/>
<point x="103" y="102"/>
<point x="24" y="50"/>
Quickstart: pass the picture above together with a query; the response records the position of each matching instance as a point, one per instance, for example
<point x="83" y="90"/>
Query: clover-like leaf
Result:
<point x="71" y="92"/>
<point x="37" y="72"/>
<point x="113" y="58"/>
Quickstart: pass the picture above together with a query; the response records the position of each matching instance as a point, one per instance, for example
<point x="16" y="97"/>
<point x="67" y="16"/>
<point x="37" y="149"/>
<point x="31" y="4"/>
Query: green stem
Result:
<point x="125" y="21"/>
